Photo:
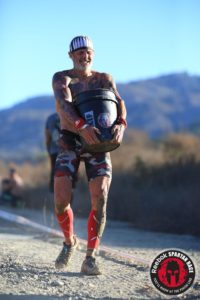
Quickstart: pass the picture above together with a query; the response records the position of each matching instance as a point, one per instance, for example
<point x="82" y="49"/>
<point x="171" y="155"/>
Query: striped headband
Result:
<point x="80" y="42"/>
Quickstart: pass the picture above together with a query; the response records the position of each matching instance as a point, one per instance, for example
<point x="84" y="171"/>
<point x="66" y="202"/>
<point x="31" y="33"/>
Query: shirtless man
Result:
<point x="66" y="85"/>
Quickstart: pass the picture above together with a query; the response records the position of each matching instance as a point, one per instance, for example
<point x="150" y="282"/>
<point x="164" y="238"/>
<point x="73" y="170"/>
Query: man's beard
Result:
<point x="83" y="68"/>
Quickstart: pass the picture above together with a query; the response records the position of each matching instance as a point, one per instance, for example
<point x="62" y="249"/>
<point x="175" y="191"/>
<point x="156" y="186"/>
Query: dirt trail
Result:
<point x="27" y="262"/>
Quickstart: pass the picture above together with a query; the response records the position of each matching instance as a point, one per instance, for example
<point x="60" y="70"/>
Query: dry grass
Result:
<point x="155" y="183"/>
<point x="136" y="144"/>
<point x="179" y="146"/>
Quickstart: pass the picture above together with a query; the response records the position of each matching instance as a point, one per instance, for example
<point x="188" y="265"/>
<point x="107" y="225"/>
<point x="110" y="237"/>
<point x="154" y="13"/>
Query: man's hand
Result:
<point x="118" y="131"/>
<point x="89" y="135"/>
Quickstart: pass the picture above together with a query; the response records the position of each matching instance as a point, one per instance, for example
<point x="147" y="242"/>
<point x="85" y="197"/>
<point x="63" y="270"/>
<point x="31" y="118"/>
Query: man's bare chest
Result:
<point x="78" y="85"/>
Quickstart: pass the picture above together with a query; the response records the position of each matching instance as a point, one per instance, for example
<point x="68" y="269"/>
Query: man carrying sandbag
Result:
<point x="74" y="129"/>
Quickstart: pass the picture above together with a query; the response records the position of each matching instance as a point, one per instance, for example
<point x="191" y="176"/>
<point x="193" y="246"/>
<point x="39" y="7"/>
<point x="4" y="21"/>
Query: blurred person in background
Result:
<point x="5" y="197"/>
<point x="12" y="189"/>
<point x="52" y="132"/>
<point x="66" y="85"/>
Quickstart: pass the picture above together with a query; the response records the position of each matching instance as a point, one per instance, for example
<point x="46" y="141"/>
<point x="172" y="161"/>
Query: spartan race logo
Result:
<point x="172" y="272"/>
<point x="104" y="120"/>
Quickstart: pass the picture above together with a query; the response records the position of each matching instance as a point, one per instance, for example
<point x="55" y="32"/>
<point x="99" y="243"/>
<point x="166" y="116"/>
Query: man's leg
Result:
<point x="64" y="173"/>
<point x="99" y="188"/>
<point x="63" y="211"/>
<point x="99" y="173"/>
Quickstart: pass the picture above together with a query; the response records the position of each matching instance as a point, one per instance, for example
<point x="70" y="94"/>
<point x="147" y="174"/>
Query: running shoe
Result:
<point x="89" y="266"/>
<point x="65" y="255"/>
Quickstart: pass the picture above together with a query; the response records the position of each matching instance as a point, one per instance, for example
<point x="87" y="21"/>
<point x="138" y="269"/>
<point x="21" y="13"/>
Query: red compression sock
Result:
<point x="93" y="240"/>
<point x="65" y="221"/>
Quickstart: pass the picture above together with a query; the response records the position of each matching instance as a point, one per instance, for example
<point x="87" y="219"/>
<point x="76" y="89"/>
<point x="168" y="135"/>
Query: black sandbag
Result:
<point x="99" y="109"/>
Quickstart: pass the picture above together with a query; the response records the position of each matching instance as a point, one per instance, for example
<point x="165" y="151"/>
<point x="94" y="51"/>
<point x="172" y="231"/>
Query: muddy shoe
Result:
<point x="89" y="266"/>
<point x="65" y="255"/>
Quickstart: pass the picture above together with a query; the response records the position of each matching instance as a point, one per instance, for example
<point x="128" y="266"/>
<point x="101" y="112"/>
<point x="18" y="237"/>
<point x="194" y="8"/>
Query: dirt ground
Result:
<point x="27" y="258"/>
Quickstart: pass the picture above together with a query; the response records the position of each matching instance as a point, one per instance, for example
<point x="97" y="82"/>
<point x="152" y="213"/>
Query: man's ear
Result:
<point x="70" y="55"/>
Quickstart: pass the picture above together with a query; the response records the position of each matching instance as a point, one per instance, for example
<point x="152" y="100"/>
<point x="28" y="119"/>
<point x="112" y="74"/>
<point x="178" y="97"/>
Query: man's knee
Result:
<point x="62" y="193"/>
<point x="100" y="194"/>
<point x="100" y="188"/>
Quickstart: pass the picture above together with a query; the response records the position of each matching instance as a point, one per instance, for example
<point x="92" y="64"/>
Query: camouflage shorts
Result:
<point x="71" y="154"/>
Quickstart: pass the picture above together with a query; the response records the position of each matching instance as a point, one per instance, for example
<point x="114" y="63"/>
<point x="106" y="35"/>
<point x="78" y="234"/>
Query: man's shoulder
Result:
<point x="61" y="74"/>
<point x="105" y="80"/>
<point x="102" y="74"/>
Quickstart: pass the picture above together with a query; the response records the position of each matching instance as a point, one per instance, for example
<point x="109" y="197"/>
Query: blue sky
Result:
<point x="133" y="39"/>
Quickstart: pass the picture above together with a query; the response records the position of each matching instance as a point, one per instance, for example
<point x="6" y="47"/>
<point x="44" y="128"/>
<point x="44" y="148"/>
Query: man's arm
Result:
<point x="63" y="98"/>
<point x="66" y="110"/>
<point x="110" y="84"/>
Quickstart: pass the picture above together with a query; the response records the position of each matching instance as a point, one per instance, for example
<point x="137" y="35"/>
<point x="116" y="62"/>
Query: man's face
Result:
<point x="82" y="59"/>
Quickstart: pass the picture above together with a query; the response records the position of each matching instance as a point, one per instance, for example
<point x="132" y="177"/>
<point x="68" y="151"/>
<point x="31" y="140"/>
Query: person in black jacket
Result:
<point x="52" y="132"/>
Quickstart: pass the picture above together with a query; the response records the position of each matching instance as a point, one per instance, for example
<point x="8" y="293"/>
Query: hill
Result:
<point x="163" y="104"/>
<point x="22" y="128"/>
<point x="157" y="106"/>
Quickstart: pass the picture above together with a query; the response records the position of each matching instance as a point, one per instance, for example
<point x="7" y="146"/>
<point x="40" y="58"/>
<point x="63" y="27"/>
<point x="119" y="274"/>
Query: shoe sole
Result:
<point x="91" y="272"/>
